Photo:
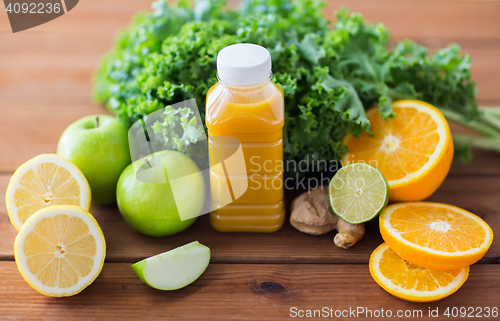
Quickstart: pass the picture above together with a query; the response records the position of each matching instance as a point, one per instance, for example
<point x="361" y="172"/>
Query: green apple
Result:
<point x="174" y="269"/>
<point x="145" y="193"/>
<point x="98" y="146"/>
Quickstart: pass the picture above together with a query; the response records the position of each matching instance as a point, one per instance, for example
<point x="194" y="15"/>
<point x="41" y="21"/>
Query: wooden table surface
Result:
<point x="45" y="84"/>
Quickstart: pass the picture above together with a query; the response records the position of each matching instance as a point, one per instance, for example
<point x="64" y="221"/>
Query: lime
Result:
<point x="358" y="192"/>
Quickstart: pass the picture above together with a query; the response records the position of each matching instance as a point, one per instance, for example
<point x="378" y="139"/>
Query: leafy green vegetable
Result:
<point x="329" y="75"/>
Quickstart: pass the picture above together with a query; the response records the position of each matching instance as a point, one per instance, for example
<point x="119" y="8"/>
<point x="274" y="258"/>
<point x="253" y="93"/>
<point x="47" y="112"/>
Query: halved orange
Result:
<point x="434" y="235"/>
<point x="410" y="282"/>
<point x="414" y="151"/>
<point x="45" y="180"/>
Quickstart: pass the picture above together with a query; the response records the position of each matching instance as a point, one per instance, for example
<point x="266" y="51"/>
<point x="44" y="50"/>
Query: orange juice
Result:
<point x="245" y="109"/>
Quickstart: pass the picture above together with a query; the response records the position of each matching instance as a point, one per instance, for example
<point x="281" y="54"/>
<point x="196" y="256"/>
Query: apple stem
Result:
<point x="147" y="162"/>
<point x="96" y="121"/>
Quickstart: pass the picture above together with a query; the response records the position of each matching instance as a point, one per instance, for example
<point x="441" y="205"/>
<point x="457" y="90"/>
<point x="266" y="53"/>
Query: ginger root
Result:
<point x="313" y="214"/>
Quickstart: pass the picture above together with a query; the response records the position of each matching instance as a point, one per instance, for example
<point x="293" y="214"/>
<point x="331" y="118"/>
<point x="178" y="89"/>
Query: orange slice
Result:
<point x="410" y="282"/>
<point x="414" y="151"/>
<point x="434" y="235"/>
<point x="45" y="180"/>
<point x="60" y="250"/>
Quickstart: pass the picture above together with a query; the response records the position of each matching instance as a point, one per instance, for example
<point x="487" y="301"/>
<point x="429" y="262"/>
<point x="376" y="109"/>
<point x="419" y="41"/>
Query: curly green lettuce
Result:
<point x="329" y="76"/>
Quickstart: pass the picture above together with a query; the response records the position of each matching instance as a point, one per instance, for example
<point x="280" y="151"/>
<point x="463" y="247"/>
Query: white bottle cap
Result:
<point x="244" y="64"/>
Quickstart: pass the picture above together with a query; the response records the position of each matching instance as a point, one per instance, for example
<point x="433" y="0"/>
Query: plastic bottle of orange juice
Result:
<point x="245" y="109"/>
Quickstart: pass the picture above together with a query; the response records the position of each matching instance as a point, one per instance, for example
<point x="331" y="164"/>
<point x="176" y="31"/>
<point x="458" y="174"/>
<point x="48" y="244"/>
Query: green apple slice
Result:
<point x="174" y="269"/>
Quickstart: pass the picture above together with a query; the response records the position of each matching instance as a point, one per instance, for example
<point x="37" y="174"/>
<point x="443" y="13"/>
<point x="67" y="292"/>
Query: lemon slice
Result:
<point x="410" y="282"/>
<point x="60" y="250"/>
<point x="45" y="180"/>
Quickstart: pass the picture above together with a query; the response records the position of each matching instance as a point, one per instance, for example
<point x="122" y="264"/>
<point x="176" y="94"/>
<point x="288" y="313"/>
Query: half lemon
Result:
<point x="45" y="180"/>
<point x="60" y="250"/>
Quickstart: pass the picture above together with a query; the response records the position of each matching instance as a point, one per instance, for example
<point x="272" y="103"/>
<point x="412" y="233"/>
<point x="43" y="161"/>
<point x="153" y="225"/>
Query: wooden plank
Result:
<point x="28" y="130"/>
<point x="483" y="163"/>
<point x="234" y="292"/>
<point x="429" y="19"/>
<point x="450" y="19"/>
<point x="482" y="63"/>
<point x="476" y="194"/>
<point x="57" y="59"/>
